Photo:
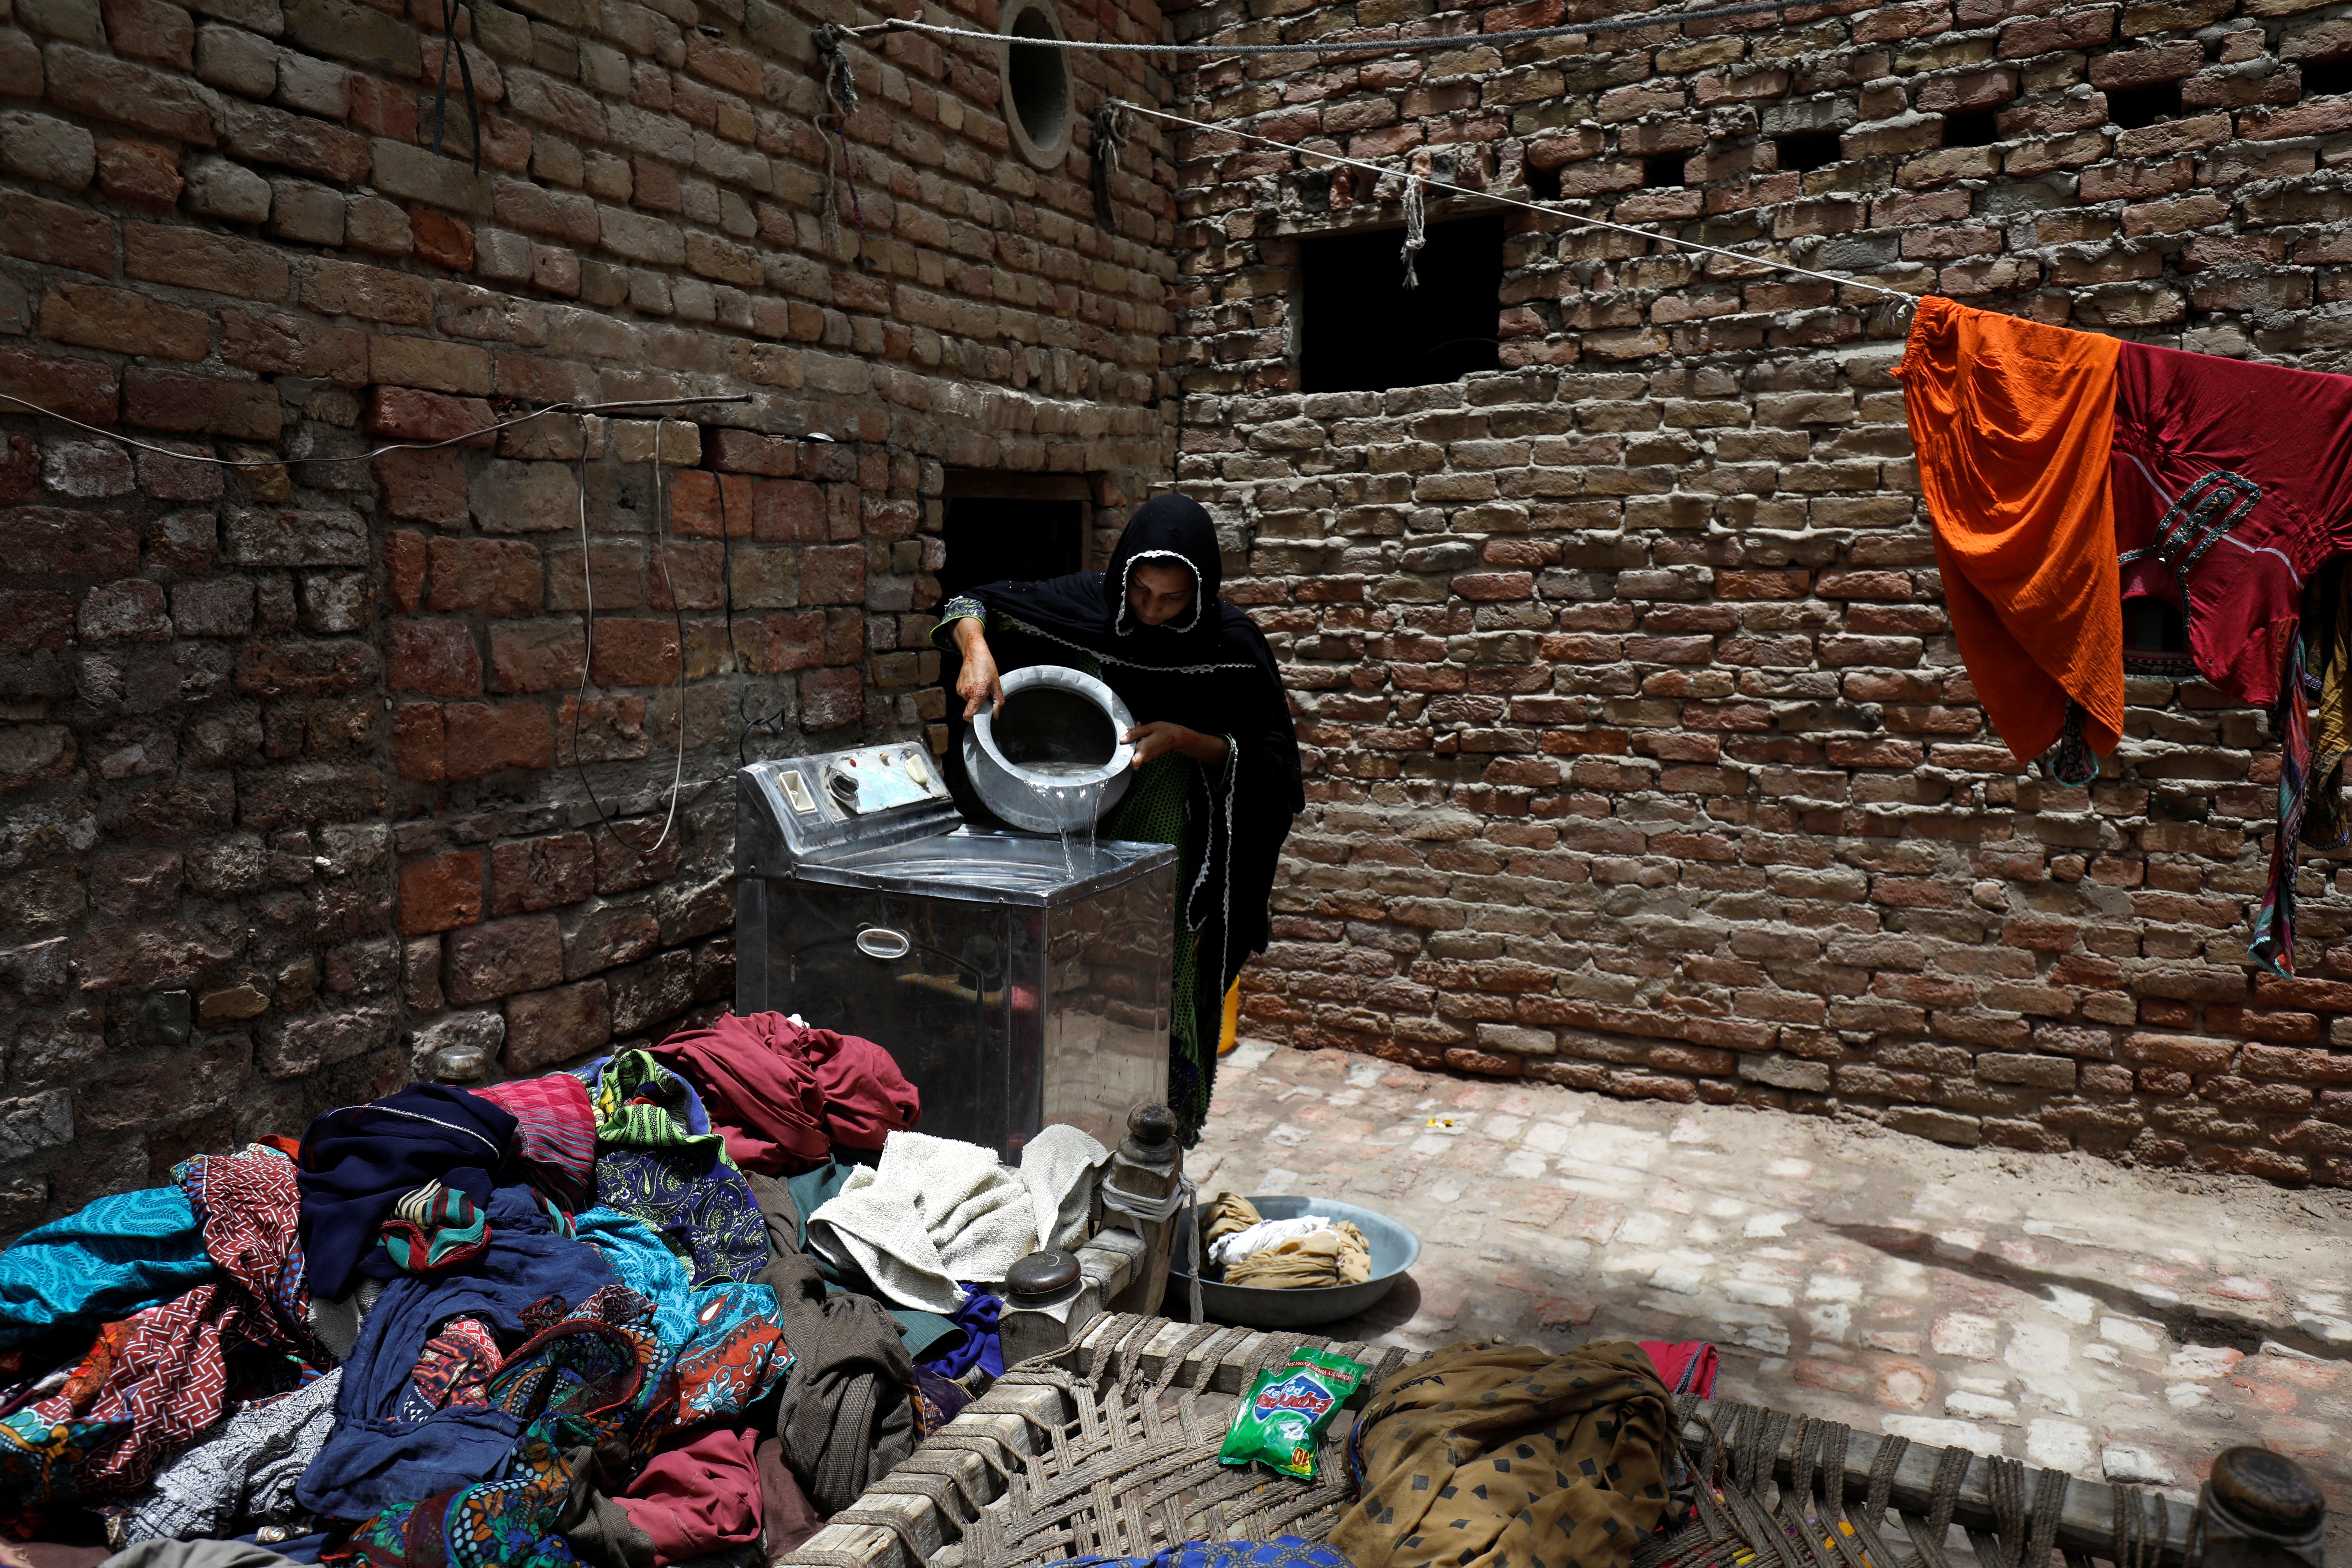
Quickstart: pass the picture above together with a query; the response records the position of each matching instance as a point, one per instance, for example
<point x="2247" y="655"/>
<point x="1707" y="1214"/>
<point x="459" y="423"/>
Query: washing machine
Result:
<point x="1018" y="979"/>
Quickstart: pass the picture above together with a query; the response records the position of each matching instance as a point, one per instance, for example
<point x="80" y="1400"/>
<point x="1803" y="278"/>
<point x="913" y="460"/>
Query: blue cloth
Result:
<point x="720" y="1343"/>
<point x="702" y="1211"/>
<point x="373" y="1461"/>
<point x="360" y="1159"/>
<point x="1282" y="1551"/>
<point x="99" y="1265"/>
<point x="640" y="1261"/>
<point x="980" y="1347"/>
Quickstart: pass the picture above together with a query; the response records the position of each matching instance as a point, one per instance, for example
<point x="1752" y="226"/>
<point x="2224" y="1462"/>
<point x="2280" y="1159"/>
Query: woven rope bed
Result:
<point x="1109" y="1446"/>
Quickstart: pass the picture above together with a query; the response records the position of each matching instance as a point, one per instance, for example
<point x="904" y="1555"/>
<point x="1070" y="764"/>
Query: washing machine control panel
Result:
<point x="874" y="778"/>
<point x="838" y="803"/>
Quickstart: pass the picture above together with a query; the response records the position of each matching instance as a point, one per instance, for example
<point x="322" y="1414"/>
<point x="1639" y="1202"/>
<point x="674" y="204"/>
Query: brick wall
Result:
<point x="296" y="765"/>
<point x="1642" y="754"/>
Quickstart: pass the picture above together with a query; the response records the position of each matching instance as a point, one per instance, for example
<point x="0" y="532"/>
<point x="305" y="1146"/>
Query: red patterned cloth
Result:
<point x="147" y="1389"/>
<point x="455" y="1368"/>
<point x="556" y="1132"/>
<point x="783" y="1096"/>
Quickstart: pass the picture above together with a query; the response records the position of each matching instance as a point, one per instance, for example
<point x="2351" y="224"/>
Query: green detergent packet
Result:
<point x="1282" y="1422"/>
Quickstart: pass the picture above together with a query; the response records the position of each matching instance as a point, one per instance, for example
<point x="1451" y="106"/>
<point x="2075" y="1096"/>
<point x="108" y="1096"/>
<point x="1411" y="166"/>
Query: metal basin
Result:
<point x="1394" y="1250"/>
<point x="1051" y="757"/>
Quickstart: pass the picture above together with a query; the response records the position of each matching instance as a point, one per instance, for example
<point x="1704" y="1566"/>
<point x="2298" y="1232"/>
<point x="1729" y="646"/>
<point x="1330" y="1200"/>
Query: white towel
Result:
<point x="935" y="1211"/>
<point x="1265" y="1233"/>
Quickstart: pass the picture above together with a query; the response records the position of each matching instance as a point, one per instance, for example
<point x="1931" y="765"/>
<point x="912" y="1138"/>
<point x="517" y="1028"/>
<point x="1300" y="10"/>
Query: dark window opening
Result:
<point x="1808" y="150"/>
<point x="1664" y="173"/>
<point x="2135" y="107"/>
<point x="1015" y="528"/>
<point x="1361" y="330"/>
<point x="2153" y="625"/>
<point x="1970" y="131"/>
<point x="2321" y="78"/>
<point x="1543" y="185"/>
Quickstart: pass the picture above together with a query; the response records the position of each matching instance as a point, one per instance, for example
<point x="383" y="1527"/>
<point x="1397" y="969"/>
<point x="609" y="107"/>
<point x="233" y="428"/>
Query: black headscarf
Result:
<point x="1209" y="669"/>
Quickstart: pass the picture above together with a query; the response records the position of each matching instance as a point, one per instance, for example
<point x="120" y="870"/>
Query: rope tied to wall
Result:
<point x="1112" y="128"/>
<point x="841" y="102"/>
<point x="1416" y="226"/>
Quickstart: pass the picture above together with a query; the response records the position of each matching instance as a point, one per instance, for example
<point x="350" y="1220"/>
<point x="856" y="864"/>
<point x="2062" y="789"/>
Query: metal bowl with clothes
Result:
<point x="1394" y="1249"/>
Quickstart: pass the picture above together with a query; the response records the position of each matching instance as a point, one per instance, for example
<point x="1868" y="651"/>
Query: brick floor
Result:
<point x="2108" y="1321"/>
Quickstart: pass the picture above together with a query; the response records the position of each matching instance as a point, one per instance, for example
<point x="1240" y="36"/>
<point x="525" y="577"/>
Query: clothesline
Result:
<point x="1659" y="236"/>
<point x="374" y="452"/>
<point x="1333" y="46"/>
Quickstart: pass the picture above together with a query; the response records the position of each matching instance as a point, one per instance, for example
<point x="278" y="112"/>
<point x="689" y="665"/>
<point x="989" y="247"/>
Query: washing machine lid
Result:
<point x="993" y="864"/>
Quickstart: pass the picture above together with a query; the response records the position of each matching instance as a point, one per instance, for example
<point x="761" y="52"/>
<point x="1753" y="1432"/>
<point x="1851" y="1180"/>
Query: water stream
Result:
<point x="1074" y="806"/>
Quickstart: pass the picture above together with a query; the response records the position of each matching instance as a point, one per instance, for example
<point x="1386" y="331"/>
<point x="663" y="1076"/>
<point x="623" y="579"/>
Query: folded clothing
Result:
<point x="1236" y="1245"/>
<point x="1225" y="1213"/>
<point x="1307" y="1252"/>
<point x="109" y="1259"/>
<point x="359" y="1162"/>
<point x="935" y="1212"/>
<point x="1326" y="1258"/>
<point x="782" y="1094"/>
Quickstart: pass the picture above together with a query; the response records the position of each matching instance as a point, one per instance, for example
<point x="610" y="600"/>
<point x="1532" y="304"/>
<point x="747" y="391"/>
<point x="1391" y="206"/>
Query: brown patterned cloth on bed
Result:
<point x="1511" y="1456"/>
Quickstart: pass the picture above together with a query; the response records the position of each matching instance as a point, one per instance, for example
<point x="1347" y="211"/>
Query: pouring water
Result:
<point x="1074" y="806"/>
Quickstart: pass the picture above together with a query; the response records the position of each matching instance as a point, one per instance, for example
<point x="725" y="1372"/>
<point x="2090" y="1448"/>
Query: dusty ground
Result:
<point x="2115" y="1323"/>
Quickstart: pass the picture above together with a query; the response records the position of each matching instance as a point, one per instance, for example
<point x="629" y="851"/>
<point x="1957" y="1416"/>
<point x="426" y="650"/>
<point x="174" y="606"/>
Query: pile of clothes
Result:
<point x="680" y="1302"/>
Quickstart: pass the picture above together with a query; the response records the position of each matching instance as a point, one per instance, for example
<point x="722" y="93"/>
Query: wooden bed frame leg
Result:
<point x="2258" y="1510"/>
<point x="1148" y="1170"/>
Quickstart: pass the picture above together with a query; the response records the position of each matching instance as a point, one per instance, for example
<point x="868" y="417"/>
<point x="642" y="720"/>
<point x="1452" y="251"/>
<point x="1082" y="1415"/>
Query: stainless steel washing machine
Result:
<point x="1019" y="981"/>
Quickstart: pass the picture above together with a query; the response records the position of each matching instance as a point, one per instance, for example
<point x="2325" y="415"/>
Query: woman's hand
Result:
<point x="1159" y="738"/>
<point x="979" y="682"/>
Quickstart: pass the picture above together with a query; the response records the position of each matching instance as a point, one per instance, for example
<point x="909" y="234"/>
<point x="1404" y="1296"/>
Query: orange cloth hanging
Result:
<point x="2013" y="423"/>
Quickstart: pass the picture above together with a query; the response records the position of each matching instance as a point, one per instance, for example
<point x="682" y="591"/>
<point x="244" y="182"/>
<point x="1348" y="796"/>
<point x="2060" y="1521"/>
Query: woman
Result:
<point x="1217" y="756"/>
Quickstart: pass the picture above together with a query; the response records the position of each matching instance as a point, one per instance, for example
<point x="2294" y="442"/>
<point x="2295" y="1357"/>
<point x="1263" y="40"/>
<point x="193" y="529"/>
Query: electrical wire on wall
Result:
<point x="578" y="411"/>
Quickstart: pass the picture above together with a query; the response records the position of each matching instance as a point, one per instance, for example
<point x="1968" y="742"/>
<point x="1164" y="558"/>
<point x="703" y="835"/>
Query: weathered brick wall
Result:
<point x="296" y="759"/>
<point x="1642" y="758"/>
